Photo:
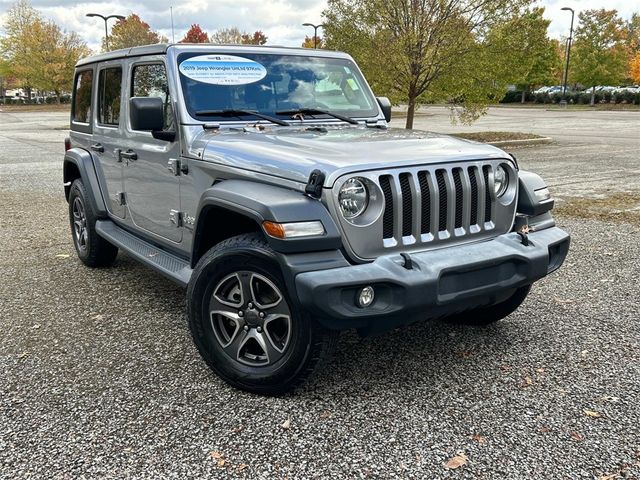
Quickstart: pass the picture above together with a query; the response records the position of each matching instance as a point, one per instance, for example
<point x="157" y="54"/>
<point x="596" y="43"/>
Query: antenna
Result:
<point x="173" y="34"/>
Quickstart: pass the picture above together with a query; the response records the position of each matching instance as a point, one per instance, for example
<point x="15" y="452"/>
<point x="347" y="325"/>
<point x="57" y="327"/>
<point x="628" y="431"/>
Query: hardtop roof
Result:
<point x="161" y="48"/>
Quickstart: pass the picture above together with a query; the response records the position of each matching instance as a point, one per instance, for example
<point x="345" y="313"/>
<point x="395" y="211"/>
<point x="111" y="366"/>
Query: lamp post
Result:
<point x="315" y="32"/>
<point x="106" y="34"/>
<point x="566" y="68"/>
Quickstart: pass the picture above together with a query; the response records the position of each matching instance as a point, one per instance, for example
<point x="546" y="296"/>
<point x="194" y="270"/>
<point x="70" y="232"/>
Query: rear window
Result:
<point x="109" y="93"/>
<point x="82" y="97"/>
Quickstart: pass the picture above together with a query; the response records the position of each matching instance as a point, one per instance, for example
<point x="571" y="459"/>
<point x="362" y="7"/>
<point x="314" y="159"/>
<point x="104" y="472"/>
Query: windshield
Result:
<point x="269" y="83"/>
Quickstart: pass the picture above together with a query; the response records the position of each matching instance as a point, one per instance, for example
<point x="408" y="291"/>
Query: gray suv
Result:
<point x="267" y="182"/>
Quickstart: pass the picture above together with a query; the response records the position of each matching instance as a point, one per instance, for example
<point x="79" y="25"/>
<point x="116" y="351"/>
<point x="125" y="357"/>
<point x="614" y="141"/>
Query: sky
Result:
<point x="280" y="20"/>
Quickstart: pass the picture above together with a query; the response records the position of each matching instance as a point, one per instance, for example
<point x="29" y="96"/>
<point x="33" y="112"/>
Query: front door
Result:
<point x="152" y="188"/>
<point x="106" y="136"/>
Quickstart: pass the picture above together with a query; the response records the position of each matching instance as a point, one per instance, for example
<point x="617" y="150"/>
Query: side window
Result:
<point x="109" y="89"/>
<point x="151" y="81"/>
<point x="82" y="97"/>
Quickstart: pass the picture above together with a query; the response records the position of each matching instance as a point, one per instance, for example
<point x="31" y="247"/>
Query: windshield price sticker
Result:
<point x="223" y="70"/>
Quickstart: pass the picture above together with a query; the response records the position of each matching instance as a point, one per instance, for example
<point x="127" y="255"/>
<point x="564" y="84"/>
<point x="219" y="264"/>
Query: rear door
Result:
<point x="152" y="186"/>
<point x="107" y="131"/>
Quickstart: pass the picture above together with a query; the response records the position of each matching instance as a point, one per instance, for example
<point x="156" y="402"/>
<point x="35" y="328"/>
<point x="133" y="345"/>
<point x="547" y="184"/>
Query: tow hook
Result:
<point x="522" y="229"/>
<point x="408" y="263"/>
<point x="524" y="235"/>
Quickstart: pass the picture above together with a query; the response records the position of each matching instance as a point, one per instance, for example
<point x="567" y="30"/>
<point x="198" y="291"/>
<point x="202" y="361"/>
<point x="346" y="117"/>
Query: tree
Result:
<point x="16" y="47"/>
<point x="195" y="35"/>
<point x="234" y="36"/>
<point x="600" y="56"/>
<point x="229" y="36"/>
<point x="131" y="32"/>
<point x="538" y="60"/>
<point x="313" y="42"/>
<point x="429" y="49"/>
<point x="257" y="38"/>
<point x="634" y="69"/>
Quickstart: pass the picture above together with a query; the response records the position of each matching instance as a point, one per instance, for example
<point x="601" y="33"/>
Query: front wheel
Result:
<point x="487" y="315"/>
<point x="245" y="324"/>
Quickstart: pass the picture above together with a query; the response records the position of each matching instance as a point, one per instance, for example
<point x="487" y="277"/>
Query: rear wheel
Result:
<point x="92" y="249"/>
<point x="246" y="326"/>
<point x="488" y="315"/>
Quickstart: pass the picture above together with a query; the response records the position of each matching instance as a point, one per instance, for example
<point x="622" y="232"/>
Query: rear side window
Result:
<point x="109" y="90"/>
<point x="82" y="97"/>
<point x="151" y="81"/>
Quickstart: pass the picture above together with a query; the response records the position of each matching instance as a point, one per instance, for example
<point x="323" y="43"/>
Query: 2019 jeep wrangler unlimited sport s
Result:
<point x="267" y="182"/>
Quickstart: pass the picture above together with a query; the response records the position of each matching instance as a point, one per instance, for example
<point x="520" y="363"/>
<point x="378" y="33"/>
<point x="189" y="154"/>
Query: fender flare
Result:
<point x="84" y="163"/>
<point x="261" y="202"/>
<point x="528" y="202"/>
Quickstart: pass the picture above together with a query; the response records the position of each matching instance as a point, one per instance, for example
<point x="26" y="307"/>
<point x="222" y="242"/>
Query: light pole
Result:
<point x="106" y="34"/>
<point x="315" y="32"/>
<point x="566" y="68"/>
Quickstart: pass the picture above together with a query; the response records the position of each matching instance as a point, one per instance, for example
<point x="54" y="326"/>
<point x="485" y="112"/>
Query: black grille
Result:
<point x="442" y="193"/>
<point x="474" y="195"/>
<point x="407" y="204"/>
<point x="426" y="202"/>
<point x="387" y="218"/>
<point x="487" y="194"/>
<point x="457" y="182"/>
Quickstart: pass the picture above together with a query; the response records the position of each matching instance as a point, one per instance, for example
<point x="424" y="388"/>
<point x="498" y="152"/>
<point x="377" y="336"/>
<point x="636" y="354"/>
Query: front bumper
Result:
<point x="441" y="282"/>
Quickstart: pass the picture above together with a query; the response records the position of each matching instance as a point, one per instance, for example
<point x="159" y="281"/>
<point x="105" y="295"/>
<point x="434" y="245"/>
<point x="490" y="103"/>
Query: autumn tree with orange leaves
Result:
<point x="195" y="35"/>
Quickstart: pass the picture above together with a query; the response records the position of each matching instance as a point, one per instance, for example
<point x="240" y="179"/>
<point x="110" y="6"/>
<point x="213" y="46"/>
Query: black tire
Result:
<point x="234" y="346"/>
<point x="484" y="316"/>
<point x="93" y="250"/>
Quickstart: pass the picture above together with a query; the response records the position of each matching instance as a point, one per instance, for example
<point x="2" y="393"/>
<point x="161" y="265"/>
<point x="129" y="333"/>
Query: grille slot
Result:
<point x="426" y="203"/>
<point x="443" y="197"/>
<point x="387" y="218"/>
<point x="407" y="204"/>
<point x="457" y="182"/>
<point x="474" y="196"/>
<point x="487" y="194"/>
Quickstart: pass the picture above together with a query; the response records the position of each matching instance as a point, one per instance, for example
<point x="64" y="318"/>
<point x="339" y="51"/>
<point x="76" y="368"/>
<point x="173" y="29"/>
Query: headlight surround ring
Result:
<point x="500" y="180"/>
<point x="353" y="198"/>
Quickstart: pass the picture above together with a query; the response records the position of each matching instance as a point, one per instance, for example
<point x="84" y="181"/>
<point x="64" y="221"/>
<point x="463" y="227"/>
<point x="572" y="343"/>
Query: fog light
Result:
<point x="365" y="297"/>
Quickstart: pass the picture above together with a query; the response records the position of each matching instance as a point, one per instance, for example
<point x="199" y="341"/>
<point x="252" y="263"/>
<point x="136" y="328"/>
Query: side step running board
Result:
<point x="167" y="264"/>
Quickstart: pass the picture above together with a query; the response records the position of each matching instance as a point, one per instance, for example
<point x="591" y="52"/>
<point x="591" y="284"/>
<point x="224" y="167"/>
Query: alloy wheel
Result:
<point x="250" y="318"/>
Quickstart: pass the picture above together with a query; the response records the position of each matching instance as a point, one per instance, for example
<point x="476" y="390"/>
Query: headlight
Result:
<point x="500" y="180"/>
<point x="353" y="198"/>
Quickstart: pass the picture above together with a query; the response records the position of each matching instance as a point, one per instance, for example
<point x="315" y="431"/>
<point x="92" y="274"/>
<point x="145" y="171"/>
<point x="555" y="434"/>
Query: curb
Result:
<point x="522" y="143"/>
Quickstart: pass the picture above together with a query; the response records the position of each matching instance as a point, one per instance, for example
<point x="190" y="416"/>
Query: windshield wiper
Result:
<point x="232" y="112"/>
<point x="317" y="111"/>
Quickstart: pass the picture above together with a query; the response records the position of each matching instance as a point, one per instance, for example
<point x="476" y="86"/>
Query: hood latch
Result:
<point x="314" y="184"/>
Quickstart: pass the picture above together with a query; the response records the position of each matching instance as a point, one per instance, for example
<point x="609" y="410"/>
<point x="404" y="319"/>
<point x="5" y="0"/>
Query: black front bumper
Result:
<point x="441" y="282"/>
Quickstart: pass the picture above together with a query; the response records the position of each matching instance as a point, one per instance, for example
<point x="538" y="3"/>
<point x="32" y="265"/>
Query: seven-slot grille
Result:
<point x="436" y="204"/>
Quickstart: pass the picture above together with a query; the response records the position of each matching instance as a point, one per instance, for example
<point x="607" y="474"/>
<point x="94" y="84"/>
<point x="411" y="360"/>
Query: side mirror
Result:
<point x="385" y="105"/>
<point x="147" y="113"/>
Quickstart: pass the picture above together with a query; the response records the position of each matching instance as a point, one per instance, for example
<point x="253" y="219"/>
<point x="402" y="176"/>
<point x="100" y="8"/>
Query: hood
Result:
<point x="294" y="152"/>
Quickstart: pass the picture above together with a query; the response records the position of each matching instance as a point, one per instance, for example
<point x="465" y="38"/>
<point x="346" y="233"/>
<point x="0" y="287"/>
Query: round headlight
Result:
<point x="353" y="198"/>
<point x="500" y="180"/>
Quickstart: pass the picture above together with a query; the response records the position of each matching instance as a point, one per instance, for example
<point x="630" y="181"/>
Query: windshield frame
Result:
<point x="180" y="54"/>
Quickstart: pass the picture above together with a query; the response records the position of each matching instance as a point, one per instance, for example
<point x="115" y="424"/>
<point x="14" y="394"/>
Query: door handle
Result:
<point x="129" y="155"/>
<point x="97" y="147"/>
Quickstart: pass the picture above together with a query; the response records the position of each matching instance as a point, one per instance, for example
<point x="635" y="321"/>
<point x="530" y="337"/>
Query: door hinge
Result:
<point x="121" y="198"/>
<point x="173" y="165"/>
<point x="175" y="217"/>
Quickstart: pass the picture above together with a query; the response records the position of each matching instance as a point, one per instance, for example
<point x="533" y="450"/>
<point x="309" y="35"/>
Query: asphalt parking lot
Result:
<point x="99" y="377"/>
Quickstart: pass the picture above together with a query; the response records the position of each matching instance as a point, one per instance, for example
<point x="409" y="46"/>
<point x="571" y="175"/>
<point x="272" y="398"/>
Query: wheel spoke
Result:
<point x="282" y="343"/>
<point x="246" y="279"/>
<point x="225" y="298"/>
<point x="217" y="328"/>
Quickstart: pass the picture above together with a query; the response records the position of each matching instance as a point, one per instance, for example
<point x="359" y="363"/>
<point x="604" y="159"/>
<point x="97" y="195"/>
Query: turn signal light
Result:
<point x="293" y="229"/>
